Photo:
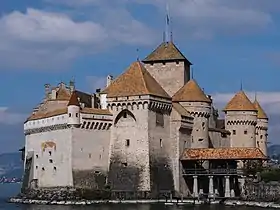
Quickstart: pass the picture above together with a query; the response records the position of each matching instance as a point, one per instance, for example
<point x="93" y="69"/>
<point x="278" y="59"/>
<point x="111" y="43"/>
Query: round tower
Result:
<point x="73" y="110"/>
<point x="198" y="104"/>
<point x="261" y="128"/>
<point x="241" y="121"/>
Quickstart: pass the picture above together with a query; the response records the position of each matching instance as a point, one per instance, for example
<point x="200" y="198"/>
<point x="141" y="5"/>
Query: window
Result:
<point x="50" y="160"/>
<point x="200" y="139"/>
<point x="89" y="155"/>
<point x="124" y="164"/>
<point x="37" y="156"/>
<point x="125" y="115"/>
<point x="245" y="132"/>
<point x="50" y="153"/>
<point x="159" y="119"/>
<point x="261" y="136"/>
<point x="70" y="115"/>
<point x="233" y="132"/>
<point x="192" y="139"/>
<point x="54" y="168"/>
<point x="127" y="142"/>
<point x="36" y="167"/>
<point x="160" y="142"/>
<point x="43" y="169"/>
<point x="77" y="114"/>
<point x="203" y="123"/>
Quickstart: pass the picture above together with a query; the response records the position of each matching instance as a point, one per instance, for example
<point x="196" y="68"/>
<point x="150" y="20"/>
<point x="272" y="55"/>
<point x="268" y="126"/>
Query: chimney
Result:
<point x="47" y="90"/>
<point x="93" y="100"/>
<point x="109" y="80"/>
<point x="72" y="86"/>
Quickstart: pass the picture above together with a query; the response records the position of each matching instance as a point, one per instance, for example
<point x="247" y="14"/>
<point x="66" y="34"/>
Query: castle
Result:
<point x="142" y="132"/>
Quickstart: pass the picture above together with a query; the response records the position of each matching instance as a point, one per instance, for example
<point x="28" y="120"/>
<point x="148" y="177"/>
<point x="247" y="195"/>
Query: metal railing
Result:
<point x="212" y="171"/>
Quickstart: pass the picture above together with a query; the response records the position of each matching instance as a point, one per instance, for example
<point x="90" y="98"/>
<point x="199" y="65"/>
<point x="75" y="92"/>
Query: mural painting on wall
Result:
<point x="48" y="144"/>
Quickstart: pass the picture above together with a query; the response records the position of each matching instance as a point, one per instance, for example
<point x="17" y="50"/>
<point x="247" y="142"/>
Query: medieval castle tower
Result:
<point x="131" y="135"/>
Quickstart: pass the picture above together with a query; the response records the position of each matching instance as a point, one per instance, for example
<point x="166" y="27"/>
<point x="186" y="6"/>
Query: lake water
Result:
<point x="9" y="190"/>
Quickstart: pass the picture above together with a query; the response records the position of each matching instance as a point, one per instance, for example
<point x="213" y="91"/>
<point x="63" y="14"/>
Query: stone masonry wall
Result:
<point x="129" y="156"/>
<point x="171" y="75"/>
<point x="160" y="153"/>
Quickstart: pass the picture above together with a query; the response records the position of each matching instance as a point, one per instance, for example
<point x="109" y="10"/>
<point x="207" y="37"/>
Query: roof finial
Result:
<point x="191" y="72"/>
<point x="137" y="51"/>
<point x="167" y="22"/>
<point x="255" y="95"/>
<point x="241" y="85"/>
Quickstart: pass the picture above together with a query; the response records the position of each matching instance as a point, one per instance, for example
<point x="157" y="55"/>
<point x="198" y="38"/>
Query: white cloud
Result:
<point x="270" y="101"/>
<point x="10" y="118"/>
<point x="47" y="40"/>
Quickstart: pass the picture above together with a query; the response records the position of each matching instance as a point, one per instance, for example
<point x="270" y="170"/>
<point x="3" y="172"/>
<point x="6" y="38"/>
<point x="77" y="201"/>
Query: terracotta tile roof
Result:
<point x="240" y="102"/>
<point x="41" y="114"/>
<point x="190" y="92"/>
<point x="62" y="94"/>
<point x="96" y="111"/>
<point x="222" y="153"/>
<point x="135" y="81"/>
<point x="74" y="100"/>
<point x="261" y="113"/>
<point x="181" y="110"/>
<point x="166" y="51"/>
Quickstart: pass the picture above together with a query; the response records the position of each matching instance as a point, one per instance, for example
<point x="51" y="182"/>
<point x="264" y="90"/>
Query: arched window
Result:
<point x="124" y="114"/>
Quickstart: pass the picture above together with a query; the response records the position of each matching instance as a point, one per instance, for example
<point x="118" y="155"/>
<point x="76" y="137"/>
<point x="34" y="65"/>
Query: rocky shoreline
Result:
<point x="169" y="202"/>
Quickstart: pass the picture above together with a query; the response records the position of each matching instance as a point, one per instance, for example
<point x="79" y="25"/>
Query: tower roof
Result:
<point x="190" y="92"/>
<point x="74" y="101"/>
<point x="166" y="51"/>
<point x="136" y="80"/>
<point x="261" y="113"/>
<point x="240" y="102"/>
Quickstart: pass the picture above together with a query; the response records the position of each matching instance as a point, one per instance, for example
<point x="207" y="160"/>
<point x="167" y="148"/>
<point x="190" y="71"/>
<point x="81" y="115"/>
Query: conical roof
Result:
<point x="74" y="101"/>
<point x="240" y="102"/>
<point x="261" y="113"/>
<point x="166" y="51"/>
<point x="190" y="92"/>
<point x="135" y="81"/>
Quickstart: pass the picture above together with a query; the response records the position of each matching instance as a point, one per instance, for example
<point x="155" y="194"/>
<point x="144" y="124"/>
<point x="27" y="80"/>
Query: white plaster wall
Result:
<point x="55" y="120"/>
<point x="261" y="135"/>
<point x="73" y="115"/>
<point x="200" y="130"/>
<point x="171" y="76"/>
<point x="90" y="149"/>
<point x="238" y="121"/>
<point x="136" y="155"/>
<point x="103" y="101"/>
<point x="61" y="158"/>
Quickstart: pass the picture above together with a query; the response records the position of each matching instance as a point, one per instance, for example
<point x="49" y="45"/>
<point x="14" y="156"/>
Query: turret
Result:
<point x="198" y="104"/>
<point x="261" y="128"/>
<point x="73" y="110"/>
<point x="169" y="67"/>
<point x="241" y="120"/>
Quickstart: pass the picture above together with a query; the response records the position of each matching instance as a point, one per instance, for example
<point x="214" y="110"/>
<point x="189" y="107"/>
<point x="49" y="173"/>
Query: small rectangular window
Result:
<point x="261" y="136"/>
<point x="127" y="142"/>
<point x="160" y="142"/>
<point x="77" y="114"/>
<point x="159" y="119"/>
<point x="70" y="115"/>
<point x="124" y="115"/>
<point x="245" y="132"/>
<point x="50" y="160"/>
<point x="233" y="132"/>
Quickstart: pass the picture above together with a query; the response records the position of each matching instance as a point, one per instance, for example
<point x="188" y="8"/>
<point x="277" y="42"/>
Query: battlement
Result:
<point x="95" y="125"/>
<point x="200" y="114"/>
<point x="140" y="102"/>
<point x="242" y="122"/>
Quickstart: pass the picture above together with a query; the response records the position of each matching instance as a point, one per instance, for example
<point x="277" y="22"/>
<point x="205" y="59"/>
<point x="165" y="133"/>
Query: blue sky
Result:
<point x="48" y="41"/>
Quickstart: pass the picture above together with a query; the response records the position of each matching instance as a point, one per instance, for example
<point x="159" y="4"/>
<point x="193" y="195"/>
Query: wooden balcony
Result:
<point x="212" y="172"/>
